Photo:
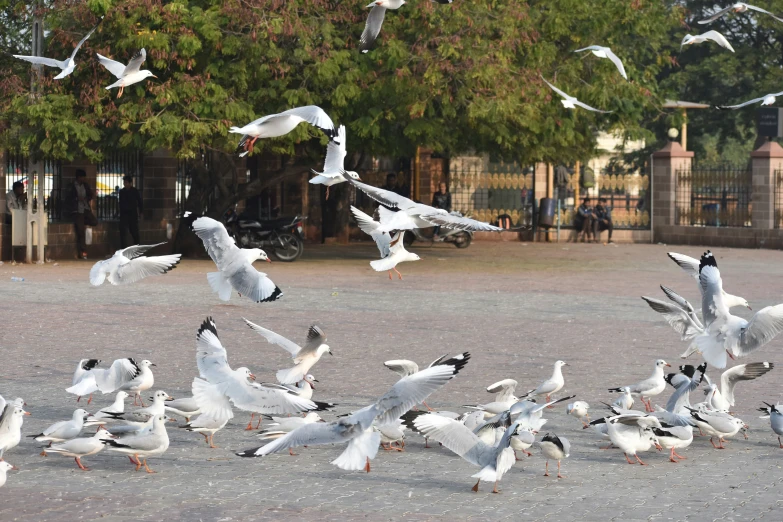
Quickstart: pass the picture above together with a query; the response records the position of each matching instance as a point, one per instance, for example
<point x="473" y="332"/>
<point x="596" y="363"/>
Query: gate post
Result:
<point x="666" y="163"/>
<point x="766" y="161"/>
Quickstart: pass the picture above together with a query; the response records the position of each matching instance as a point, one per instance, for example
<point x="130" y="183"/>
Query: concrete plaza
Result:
<point x="516" y="307"/>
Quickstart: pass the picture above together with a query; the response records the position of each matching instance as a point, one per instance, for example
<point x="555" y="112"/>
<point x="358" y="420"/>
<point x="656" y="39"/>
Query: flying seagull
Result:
<point x="375" y="20"/>
<point x="129" y="265"/>
<point x="739" y="7"/>
<point x="767" y="99"/>
<point x="334" y="163"/>
<point x="67" y="66"/>
<point x="126" y="74"/>
<point x="570" y="102"/>
<point x="276" y="125"/>
<point x="715" y="36"/>
<point x="605" y="52"/>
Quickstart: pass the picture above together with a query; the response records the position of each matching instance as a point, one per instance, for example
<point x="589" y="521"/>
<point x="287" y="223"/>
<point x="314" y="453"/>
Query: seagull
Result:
<point x="143" y="445"/>
<point x="128" y="265"/>
<point x="124" y="374"/>
<point x="715" y="36"/>
<point x="680" y="315"/>
<point x="739" y="7"/>
<point x="555" y="448"/>
<point x="375" y="20"/>
<point x="767" y="99"/>
<point x="650" y="387"/>
<point x="529" y="414"/>
<point x="82" y="447"/>
<point x="579" y="410"/>
<point x="379" y="232"/>
<point x="107" y="414"/>
<point x="284" y="425"/>
<point x="723" y="398"/>
<point x="357" y="429"/>
<point x="84" y="366"/>
<point x="504" y="390"/>
<point x="633" y="433"/>
<point x="624" y="401"/>
<point x="63" y="430"/>
<point x="303" y="388"/>
<point x="235" y="264"/>
<point x="717" y="424"/>
<point x="775" y="414"/>
<point x="67" y="66"/>
<point x="570" y="102"/>
<point x="220" y="386"/>
<point x="674" y="438"/>
<point x="728" y="334"/>
<point x="142" y="415"/>
<point x="304" y="357"/>
<point x="421" y="216"/>
<point x="185" y="407"/>
<point x="11" y="420"/>
<point x="691" y="267"/>
<point x="397" y="254"/>
<point x="392" y="433"/>
<point x="276" y="125"/>
<point x="126" y="75"/>
<point x="522" y="441"/>
<point x="5" y="467"/>
<point x="207" y="426"/>
<point x="604" y="52"/>
<point x="334" y="164"/>
<point x="552" y="385"/>
<point x="404" y="367"/>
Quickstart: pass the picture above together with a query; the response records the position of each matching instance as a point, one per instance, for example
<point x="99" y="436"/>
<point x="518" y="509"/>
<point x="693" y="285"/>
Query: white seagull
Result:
<point x="633" y="433"/>
<point x="282" y="426"/>
<point x="128" y="265"/>
<point x="5" y="467"/>
<point x="304" y="357"/>
<point x="775" y="414"/>
<point x="357" y="429"/>
<point x="124" y="374"/>
<point x="67" y="65"/>
<point x="691" y="267"/>
<point x="126" y="74"/>
<point x="717" y="424"/>
<point x="715" y="36"/>
<point x="723" y="398"/>
<point x="397" y="254"/>
<point x="108" y="414"/>
<point x="767" y="99"/>
<point x="143" y="445"/>
<point x="11" y="420"/>
<point x="552" y="385"/>
<point x="650" y="387"/>
<point x="579" y="409"/>
<point x="84" y="366"/>
<point x="63" y="430"/>
<point x="605" y="52"/>
<point x="624" y="401"/>
<point x="334" y="164"/>
<point x="375" y="20"/>
<point x="570" y="102"/>
<point x="276" y="125"/>
<point x="379" y="232"/>
<point x="235" y="264"/>
<point x="405" y="367"/>
<point x="220" y="386"/>
<point x="738" y="7"/>
<point x="206" y="426"/>
<point x="555" y="448"/>
<point x="82" y="447"/>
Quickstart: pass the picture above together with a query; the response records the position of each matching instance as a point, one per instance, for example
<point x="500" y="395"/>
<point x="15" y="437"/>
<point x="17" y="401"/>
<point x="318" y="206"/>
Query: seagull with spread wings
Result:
<point x="570" y="102"/>
<point x="738" y="7"/>
<point x="723" y="398"/>
<point x="126" y="74"/>
<point x="67" y="66"/>
<point x="129" y="265"/>
<point x="715" y="36"/>
<point x="124" y="374"/>
<point x="276" y="125"/>
<point x="605" y="52"/>
<point x="334" y="164"/>
<point x="397" y="254"/>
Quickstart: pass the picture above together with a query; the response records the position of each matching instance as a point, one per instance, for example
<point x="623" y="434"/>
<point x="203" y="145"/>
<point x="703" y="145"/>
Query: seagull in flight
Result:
<point x="67" y="66"/>
<point x="128" y="265"/>
<point x="334" y="163"/>
<point x="767" y="99"/>
<point x="605" y="52"/>
<point x="739" y="7"/>
<point x="715" y="36"/>
<point x="126" y="74"/>
<point x="375" y="20"/>
<point x="276" y="125"/>
<point x="570" y="102"/>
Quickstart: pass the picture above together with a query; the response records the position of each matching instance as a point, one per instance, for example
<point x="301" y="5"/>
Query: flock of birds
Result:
<point x="487" y="436"/>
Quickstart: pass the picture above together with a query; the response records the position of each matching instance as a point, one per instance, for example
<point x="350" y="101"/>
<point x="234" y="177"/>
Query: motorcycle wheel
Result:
<point x="462" y="240"/>
<point x="288" y="247"/>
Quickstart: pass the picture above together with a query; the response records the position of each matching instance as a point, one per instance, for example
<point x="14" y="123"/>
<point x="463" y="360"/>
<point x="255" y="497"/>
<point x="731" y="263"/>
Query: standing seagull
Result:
<point x="128" y="265"/>
<point x="555" y="448"/>
<point x="397" y="255"/>
<point x="126" y="74"/>
<point x="84" y="366"/>
<point x="715" y="36"/>
<point x="276" y="125"/>
<point x="739" y="7"/>
<point x="67" y="66"/>
<point x="5" y="467"/>
<point x="11" y="420"/>
<point x="334" y="164"/>
<point x="775" y="414"/>
<point x="235" y="264"/>
<point x="63" y="430"/>
<point x="552" y="385"/>
<point x="650" y="387"/>
<point x="82" y="447"/>
<point x="605" y="52"/>
<point x="304" y="357"/>
<point x="570" y="102"/>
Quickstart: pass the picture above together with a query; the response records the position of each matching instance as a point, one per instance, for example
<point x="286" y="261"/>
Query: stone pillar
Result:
<point x="766" y="162"/>
<point x="666" y="163"/>
<point x="158" y="192"/>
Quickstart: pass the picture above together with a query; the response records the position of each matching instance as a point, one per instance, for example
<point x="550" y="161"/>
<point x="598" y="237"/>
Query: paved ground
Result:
<point x="516" y="307"/>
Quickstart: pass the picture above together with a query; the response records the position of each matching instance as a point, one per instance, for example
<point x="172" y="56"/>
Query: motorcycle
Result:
<point x="460" y="238"/>
<point x="283" y="237"/>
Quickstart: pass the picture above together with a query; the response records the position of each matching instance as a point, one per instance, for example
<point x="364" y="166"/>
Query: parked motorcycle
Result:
<point x="460" y="238"/>
<point x="282" y="237"/>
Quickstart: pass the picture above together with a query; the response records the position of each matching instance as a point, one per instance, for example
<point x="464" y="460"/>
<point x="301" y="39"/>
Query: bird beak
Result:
<point x="14" y="468"/>
<point x="154" y="76"/>
<point x="252" y="377"/>
<point x="170" y="398"/>
<point x="27" y="413"/>
<point x="749" y="308"/>
<point x="153" y="364"/>
<point x="658" y="446"/>
<point x="268" y="260"/>
<point x="669" y="365"/>
<point x="316" y="380"/>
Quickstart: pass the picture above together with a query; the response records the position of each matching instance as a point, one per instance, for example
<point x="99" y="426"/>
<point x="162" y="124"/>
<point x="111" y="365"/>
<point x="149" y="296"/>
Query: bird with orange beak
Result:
<point x="126" y="74"/>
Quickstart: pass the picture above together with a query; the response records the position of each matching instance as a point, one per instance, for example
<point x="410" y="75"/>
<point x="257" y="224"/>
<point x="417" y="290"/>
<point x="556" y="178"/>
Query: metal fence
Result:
<point x="108" y="182"/>
<point x="714" y="197"/>
<point x="779" y="197"/>
<point x="18" y="168"/>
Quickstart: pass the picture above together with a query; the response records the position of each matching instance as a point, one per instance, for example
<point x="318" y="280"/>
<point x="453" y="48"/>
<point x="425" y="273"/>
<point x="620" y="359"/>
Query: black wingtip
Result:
<point x="34" y="436"/>
<point x="324" y="406"/>
<point x="277" y="294"/>
<point x="314" y="333"/>
<point x="458" y="362"/>
<point x="615" y="389"/>
<point x="707" y="259"/>
<point x="90" y="364"/>
<point x="113" y="443"/>
<point x="248" y="453"/>
<point x="208" y="324"/>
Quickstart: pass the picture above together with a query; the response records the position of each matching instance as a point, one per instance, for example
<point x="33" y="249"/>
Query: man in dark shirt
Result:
<point x="603" y="219"/>
<point x="392" y="186"/>
<point x="131" y="207"/>
<point x="441" y="199"/>
<point x="583" y="220"/>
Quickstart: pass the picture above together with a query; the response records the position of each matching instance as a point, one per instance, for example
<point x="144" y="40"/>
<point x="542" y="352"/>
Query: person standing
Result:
<point x="81" y="197"/>
<point x="131" y="209"/>
<point x="15" y="199"/>
<point x="441" y="199"/>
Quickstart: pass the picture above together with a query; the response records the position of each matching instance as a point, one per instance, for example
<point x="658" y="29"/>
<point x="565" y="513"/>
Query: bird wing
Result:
<point x="712" y="305"/>
<point x="254" y="284"/>
<point x="116" y="68"/>
<point x="335" y="154"/>
<point x="382" y="196"/>
<point x="677" y="299"/>
<point x="211" y="357"/>
<point x="589" y="108"/>
<point x="40" y="60"/>
<point x="742" y="372"/>
<point x="677" y="318"/>
<point x="372" y="28"/>
<point x="81" y="42"/>
<point x="121" y="372"/>
<point x="212" y="398"/>
<point x="305" y="435"/>
<point x="135" y="63"/>
<point x="680" y="396"/>
<point x="616" y="61"/>
<point x="687" y="263"/>
<point x="718" y="38"/>
<point x="458" y="222"/>
<point x="135" y="251"/>
<point x="402" y="367"/>
<point x="218" y="244"/>
<point x="142" y="267"/>
<point x="396" y="244"/>
<point x="359" y="449"/>
<point x="760" y="10"/>
<point x="749" y="102"/>
<point x="558" y="91"/>
<point x="256" y="398"/>
<point x="716" y="15"/>
<point x="504" y="389"/>
<point x="98" y="273"/>
<point x="369" y="226"/>
<point x="313" y="115"/>
<point x="412" y="390"/>
<point x="274" y="338"/>
<point x="315" y="338"/>
<point x="589" y="48"/>
<point x="762" y="328"/>
<point x="452" y="434"/>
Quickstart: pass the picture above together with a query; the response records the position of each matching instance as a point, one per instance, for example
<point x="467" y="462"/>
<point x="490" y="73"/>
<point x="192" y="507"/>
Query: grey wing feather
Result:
<point x="454" y="435"/>
<point x="382" y="196"/>
<point x="716" y="15"/>
<point x="306" y="435"/>
<point x="218" y="244"/>
<point x="687" y="263"/>
<point x="275" y="338"/>
<point x="558" y="91"/>
<point x="589" y="108"/>
<point x="116" y="68"/>
<point x="142" y="267"/>
<point x="749" y="102"/>
<point x="135" y="63"/>
<point x="762" y="328"/>
<point x="313" y="115"/>
<point x="137" y="250"/>
<point x="254" y="284"/>
<point x="712" y="305"/>
<point x="315" y="338"/>
<point x="742" y="372"/>
<point x="40" y="60"/>
<point x="760" y="10"/>
<point x="616" y="61"/>
<point x="410" y="391"/>
<point x="372" y="28"/>
<point x="677" y="318"/>
<point x="81" y="42"/>
<point x="459" y="223"/>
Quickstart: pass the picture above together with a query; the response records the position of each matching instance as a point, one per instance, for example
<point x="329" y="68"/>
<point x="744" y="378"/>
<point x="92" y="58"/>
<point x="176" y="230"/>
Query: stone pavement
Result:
<point x="516" y="307"/>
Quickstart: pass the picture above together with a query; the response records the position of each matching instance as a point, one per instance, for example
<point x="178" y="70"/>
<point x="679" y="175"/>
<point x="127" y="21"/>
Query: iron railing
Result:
<point x="714" y="197"/>
<point x="779" y="197"/>
<point x="18" y="169"/>
<point x="108" y="182"/>
<point x="184" y="182"/>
